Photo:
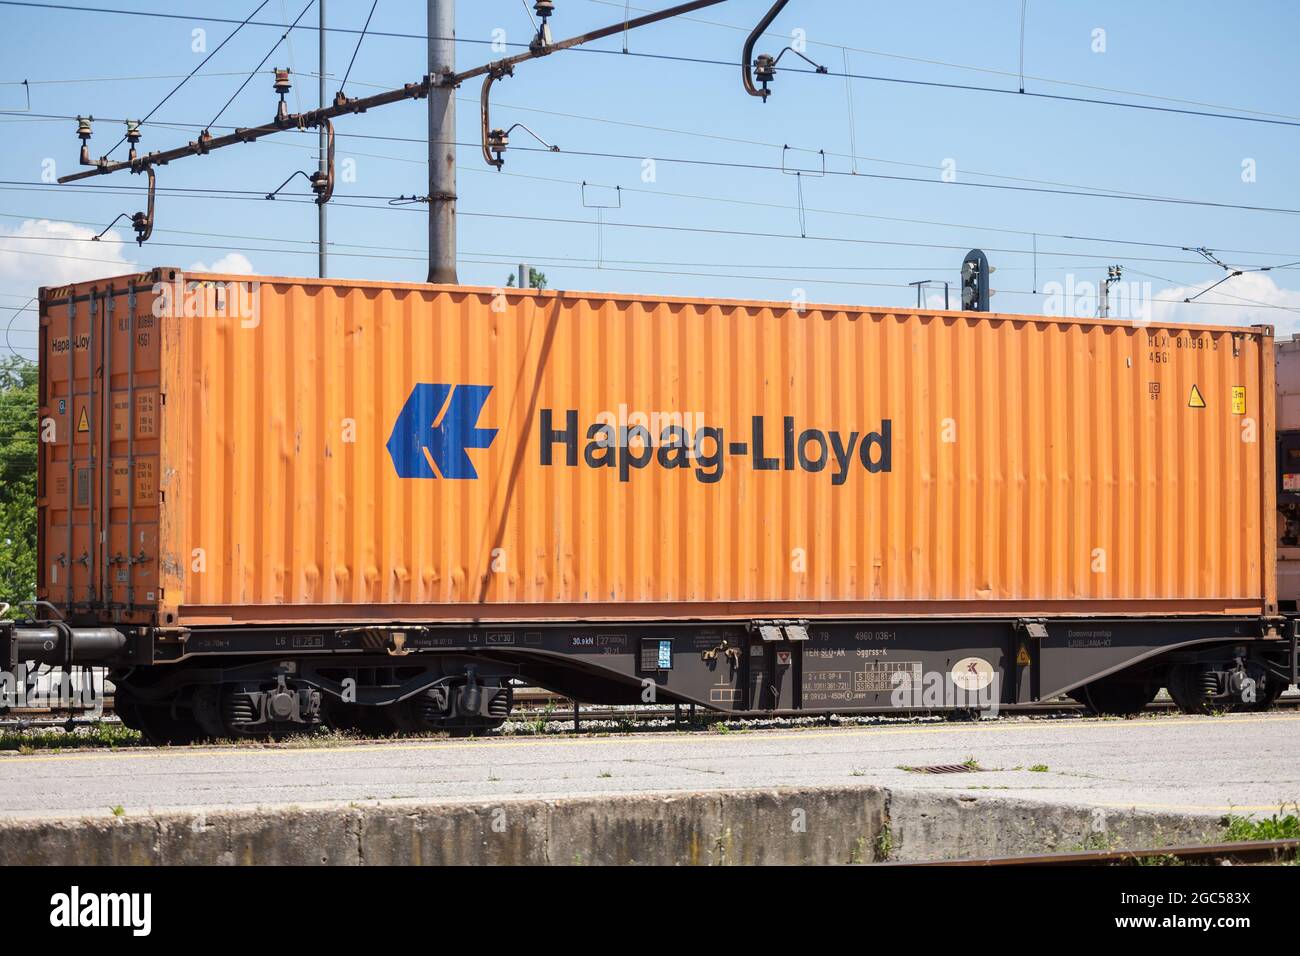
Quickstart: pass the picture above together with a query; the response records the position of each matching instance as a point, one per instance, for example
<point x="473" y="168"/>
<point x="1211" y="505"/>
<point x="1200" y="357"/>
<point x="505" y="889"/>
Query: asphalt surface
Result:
<point x="1242" y="763"/>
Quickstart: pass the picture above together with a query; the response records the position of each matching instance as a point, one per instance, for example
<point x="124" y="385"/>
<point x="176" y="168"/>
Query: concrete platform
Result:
<point x="1230" y="764"/>
<point x="1098" y="782"/>
<point x="815" y="825"/>
<point x="1243" y="763"/>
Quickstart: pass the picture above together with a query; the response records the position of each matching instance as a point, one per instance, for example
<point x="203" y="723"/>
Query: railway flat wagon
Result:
<point x="269" y="502"/>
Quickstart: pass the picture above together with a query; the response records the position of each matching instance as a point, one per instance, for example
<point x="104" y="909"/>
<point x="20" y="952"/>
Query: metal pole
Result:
<point x="442" y="143"/>
<point x="324" y="145"/>
<point x="523" y="275"/>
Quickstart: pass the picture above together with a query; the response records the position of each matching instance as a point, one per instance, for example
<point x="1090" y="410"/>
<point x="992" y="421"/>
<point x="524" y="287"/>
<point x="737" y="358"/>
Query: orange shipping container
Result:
<point x="230" y="450"/>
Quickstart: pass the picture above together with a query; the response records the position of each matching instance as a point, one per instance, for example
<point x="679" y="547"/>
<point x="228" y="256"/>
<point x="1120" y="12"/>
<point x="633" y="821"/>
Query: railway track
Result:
<point x="1250" y="852"/>
<point x="532" y="704"/>
<point x="537" y="705"/>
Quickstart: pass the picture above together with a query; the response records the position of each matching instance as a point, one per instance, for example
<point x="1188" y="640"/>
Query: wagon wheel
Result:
<point x="156" y="722"/>
<point x="1186" y="687"/>
<point x="1114" y="697"/>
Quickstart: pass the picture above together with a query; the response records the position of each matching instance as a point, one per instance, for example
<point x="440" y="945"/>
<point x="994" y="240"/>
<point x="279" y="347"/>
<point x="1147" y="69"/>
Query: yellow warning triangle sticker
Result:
<point x="1022" y="659"/>
<point x="83" y="423"/>
<point x="1195" y="400"/>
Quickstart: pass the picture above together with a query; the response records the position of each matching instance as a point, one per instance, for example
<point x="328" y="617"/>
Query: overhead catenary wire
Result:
<point x="434" y="86"/>
<point x="257" y="69"/>
<point x="1103" y="191"/>
<point x="288" y="51"/>
<point x="1230" y="272"/>
<point x="783" y="279"/>
<point x="1024" y="4"/>
<point x="373" y="200"/>
<point x="1083" y="192"/>
<point x="846" y="72"/>
<point x="36" y="117"/>
<point x="611" y="3"/>
<point x="722" y="164"/>
<point x="357" y="49"/>
<point x="584" y="222"/>
<point x="659" y="193"/>
<point x="1256" y="116"/>
<point x="513" y="257"/>
<point x="9" y="327"/>
<point x="177" y="87"/>
<point x="508" y="256"/>
<point x="1175" y="283"/>
<point x="947" y="64"/>
<point x="89" y="80"/>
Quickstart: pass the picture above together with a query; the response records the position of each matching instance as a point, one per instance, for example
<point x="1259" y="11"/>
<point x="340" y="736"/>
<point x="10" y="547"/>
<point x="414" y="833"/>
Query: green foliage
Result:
<point x="536" y="279"/>
<point x="1274" y="828"/>
<point x="106" y="734"/>
<point x="884" y="842"/>
<point x="18" y="444"/>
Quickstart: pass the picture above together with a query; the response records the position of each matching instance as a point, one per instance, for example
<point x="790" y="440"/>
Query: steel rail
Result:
<point x="1246" y="851"/>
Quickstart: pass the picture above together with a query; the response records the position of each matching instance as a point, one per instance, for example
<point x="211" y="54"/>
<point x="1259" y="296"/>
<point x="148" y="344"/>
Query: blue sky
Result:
<point x="1193" y="55"/>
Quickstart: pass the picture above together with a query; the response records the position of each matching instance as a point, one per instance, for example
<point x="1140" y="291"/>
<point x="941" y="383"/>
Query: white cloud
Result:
<point x="43" y="252"/>
<point x="1236" y="302"/>
<point x="935" y="300"/>
<point x="232" y="263"/>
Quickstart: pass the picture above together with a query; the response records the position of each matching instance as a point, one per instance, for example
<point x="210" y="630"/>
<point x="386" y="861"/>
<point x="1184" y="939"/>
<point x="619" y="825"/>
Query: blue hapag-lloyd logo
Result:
<point x="436" y="427"/>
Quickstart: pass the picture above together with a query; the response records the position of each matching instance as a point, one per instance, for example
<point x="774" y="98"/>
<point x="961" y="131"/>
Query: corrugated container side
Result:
<point x="1015" y="464"/>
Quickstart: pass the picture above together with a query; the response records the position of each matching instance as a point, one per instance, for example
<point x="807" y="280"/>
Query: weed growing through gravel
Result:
<point x="110" y="734"/>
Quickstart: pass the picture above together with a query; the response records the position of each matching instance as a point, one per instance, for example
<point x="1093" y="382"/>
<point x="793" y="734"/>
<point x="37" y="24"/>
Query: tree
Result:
<point x="536" y="279"/>
<point x="18" y="447"/>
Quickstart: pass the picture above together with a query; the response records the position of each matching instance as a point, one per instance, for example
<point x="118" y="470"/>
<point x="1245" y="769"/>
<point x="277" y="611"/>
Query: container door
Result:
<point x="97" y="496"/>
<point x="66" y="477"/>
<point x="129" y="452"/>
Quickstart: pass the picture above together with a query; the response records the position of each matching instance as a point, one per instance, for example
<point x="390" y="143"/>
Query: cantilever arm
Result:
<point x="747" y="56"/>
